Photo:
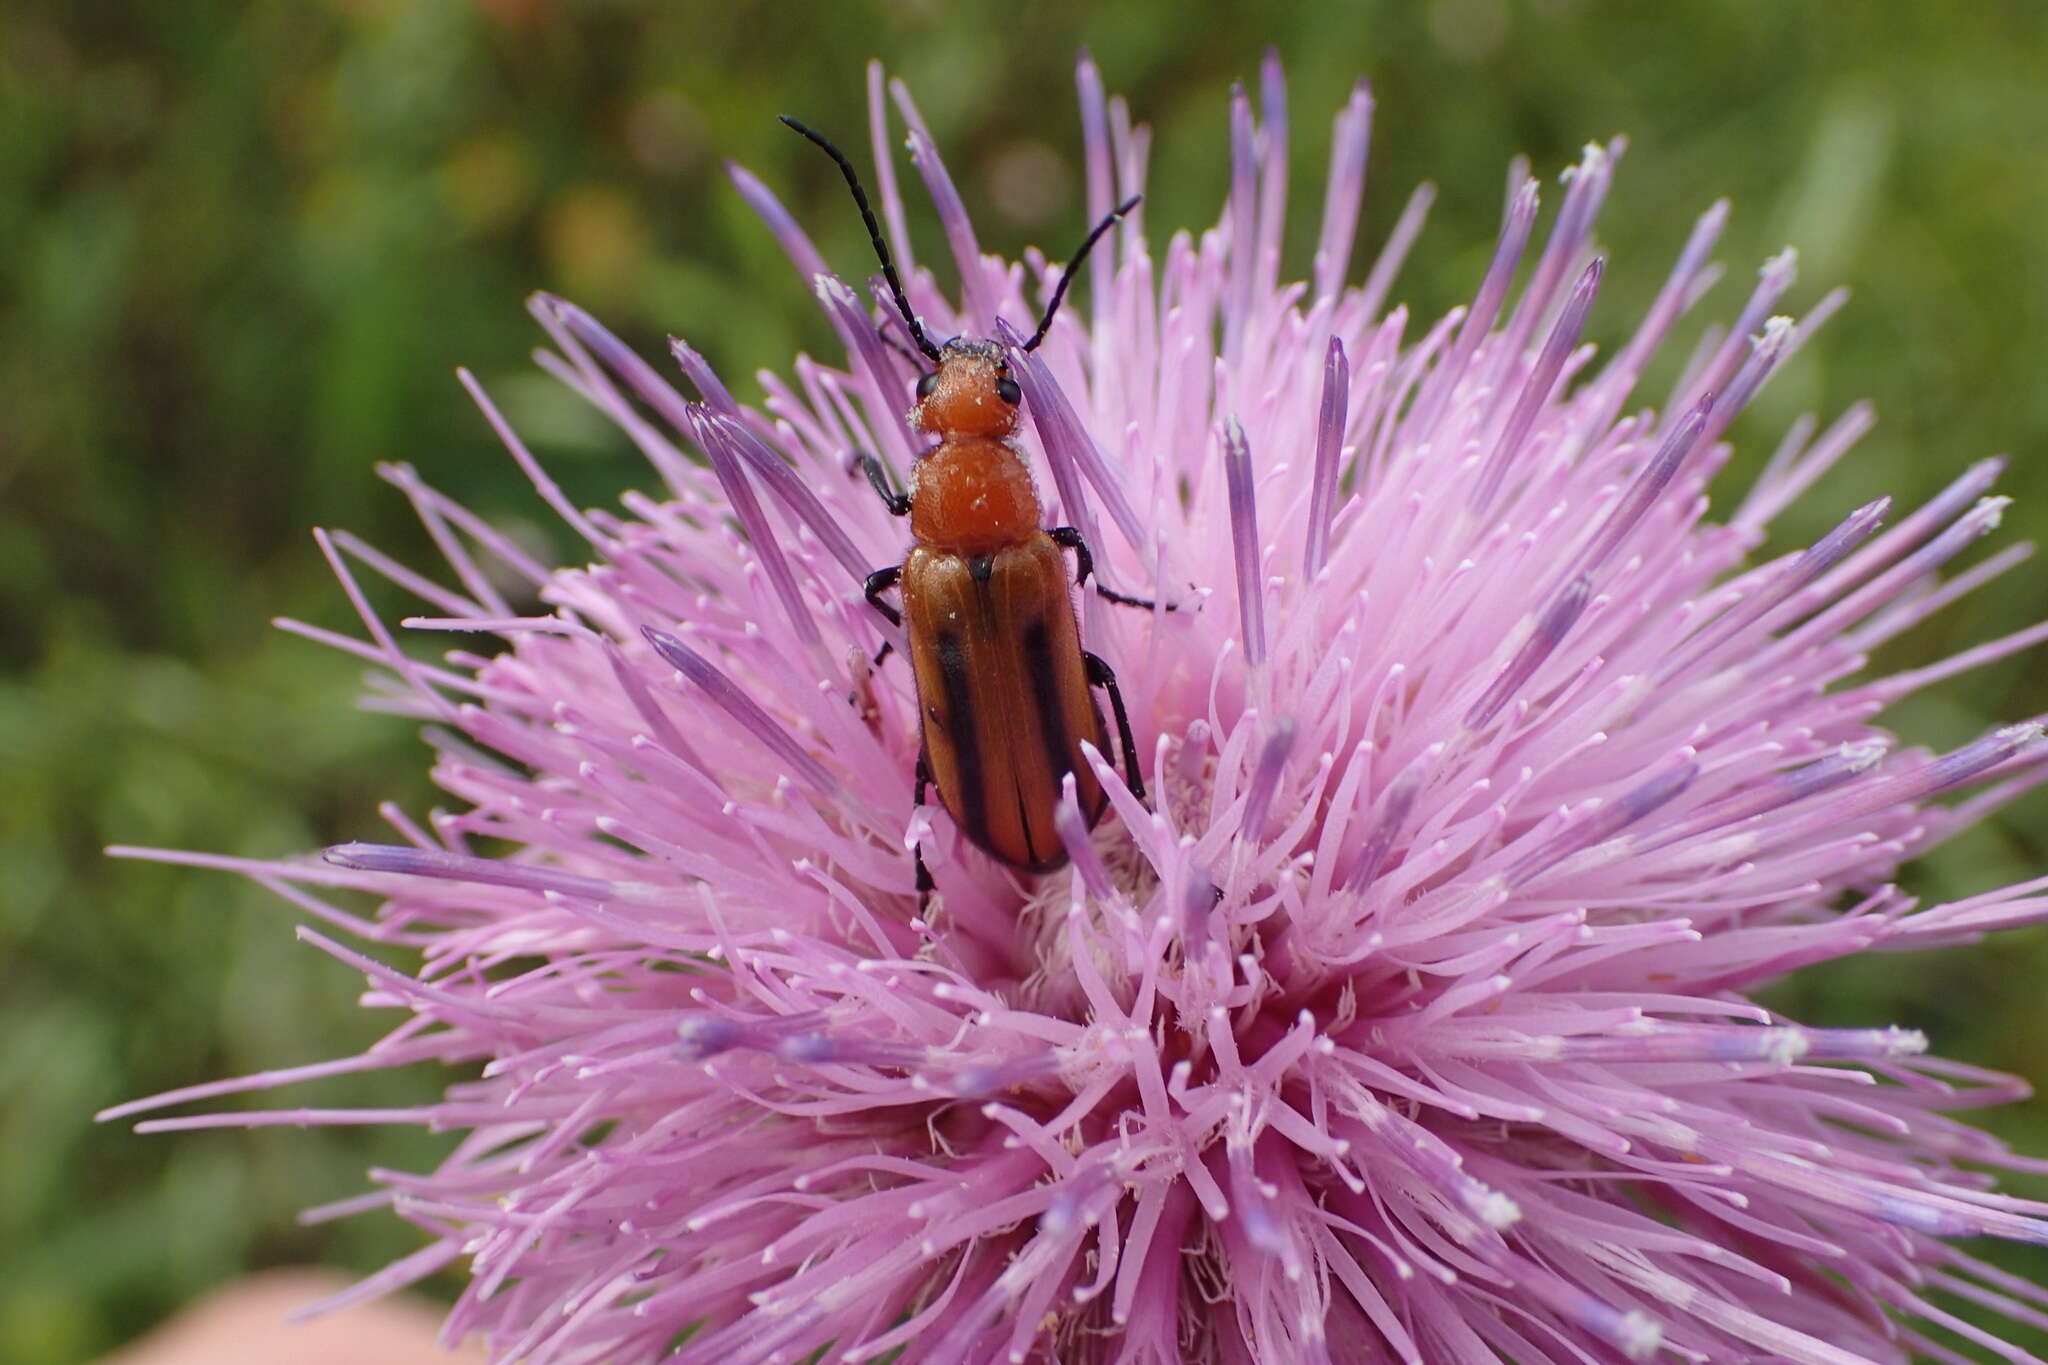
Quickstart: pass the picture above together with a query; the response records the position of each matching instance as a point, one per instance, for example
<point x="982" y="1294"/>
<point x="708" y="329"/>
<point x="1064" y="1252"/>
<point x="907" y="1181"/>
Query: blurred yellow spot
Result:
<point x="488" y="180"/>
<point x="596" y="244"/>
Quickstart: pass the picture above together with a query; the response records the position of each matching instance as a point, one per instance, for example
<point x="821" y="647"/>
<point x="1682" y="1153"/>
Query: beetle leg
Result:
<point x="1110" y="595"/>
<point x="887" y="336"/>
<point x="924" y="874"/>
<point x="1099" y="675"/>
<point x="897" y="503"/>
<point x="879" y="582"/>
<point x="1069" y="538"/>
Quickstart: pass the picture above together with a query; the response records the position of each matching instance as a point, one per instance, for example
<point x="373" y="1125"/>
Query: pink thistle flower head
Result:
<point x="1408" y="1018"/>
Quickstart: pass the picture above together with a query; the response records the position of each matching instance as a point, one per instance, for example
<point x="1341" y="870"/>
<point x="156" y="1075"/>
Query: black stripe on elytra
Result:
<point x="963" y="734"/>
<point x="1050" y="698"/>
<point x="980" y="567"/>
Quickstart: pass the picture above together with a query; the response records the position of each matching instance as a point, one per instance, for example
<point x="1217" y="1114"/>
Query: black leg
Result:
<point x="1069" y="538"/>
<point x="897" y="503"/>
<point x="888" y="336"/>
<point x="879" y="582"/>
<point x="924" y="874"/>
<point x="1121" y="600"/>
<point x="1099" y="675"/>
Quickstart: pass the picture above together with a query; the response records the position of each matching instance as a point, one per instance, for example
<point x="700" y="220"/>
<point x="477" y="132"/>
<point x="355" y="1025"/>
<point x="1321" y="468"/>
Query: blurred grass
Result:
<point x="246" y="244"/>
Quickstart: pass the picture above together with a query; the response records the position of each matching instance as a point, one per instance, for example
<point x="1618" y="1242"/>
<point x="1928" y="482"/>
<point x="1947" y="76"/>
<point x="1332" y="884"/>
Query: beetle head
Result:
<point x="970" y="394"/>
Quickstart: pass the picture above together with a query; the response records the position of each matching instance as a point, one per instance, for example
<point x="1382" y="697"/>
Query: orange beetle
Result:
<point x="1003" y="685"/>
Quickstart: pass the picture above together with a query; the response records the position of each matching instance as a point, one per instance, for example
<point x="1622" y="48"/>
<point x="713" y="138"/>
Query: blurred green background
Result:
<point x="245" y="244"/>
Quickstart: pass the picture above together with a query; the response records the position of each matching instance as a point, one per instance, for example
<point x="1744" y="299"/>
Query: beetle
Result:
<point x="1004" y="688"/>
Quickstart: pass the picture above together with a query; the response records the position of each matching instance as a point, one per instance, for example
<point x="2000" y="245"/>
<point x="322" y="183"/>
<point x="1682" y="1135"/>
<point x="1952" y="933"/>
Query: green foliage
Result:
<point x="247" y="243"/>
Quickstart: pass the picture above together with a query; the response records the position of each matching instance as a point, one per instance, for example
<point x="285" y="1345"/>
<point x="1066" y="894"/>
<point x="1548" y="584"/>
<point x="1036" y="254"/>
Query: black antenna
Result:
<point x="867" y="215"/>
<point x="1067" y="277"/>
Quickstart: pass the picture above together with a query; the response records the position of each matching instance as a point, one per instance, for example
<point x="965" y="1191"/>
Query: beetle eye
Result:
<point x="1007" y="390"/>
<point x="927" y="385"/>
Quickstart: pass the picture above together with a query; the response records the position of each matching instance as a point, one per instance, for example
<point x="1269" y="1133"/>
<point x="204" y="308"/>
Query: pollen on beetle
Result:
<point x="1414" y="1012"/>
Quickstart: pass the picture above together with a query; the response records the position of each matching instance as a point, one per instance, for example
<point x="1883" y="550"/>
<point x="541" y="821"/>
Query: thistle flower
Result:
<point x="1411" y="1020"/>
